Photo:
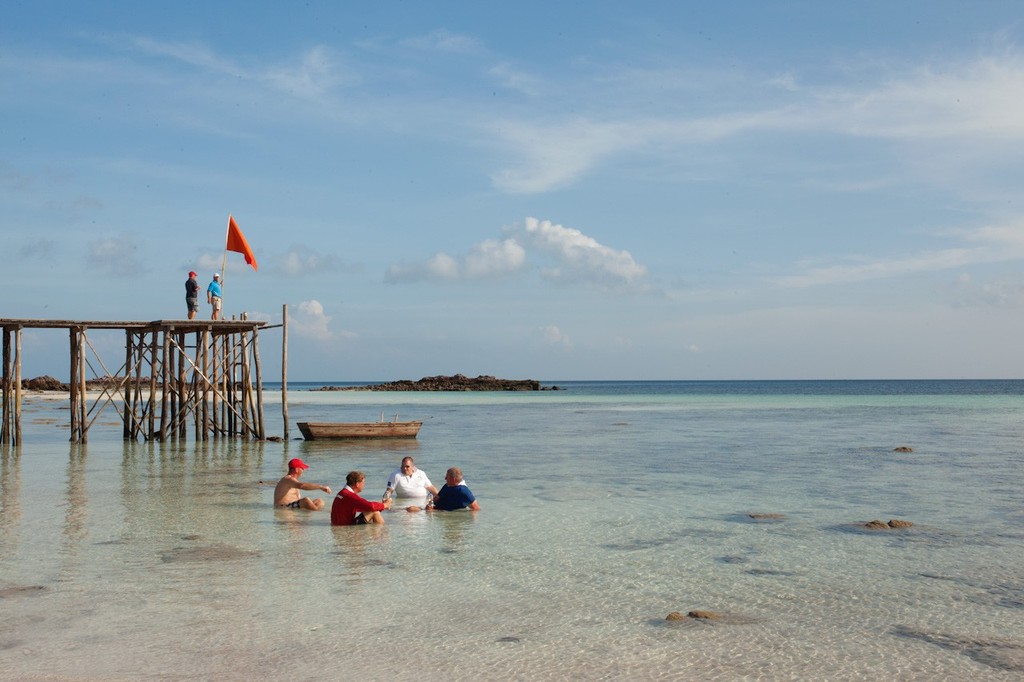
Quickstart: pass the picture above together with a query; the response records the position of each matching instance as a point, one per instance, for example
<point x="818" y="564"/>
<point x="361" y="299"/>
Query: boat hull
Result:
<point x="337" y="430"/>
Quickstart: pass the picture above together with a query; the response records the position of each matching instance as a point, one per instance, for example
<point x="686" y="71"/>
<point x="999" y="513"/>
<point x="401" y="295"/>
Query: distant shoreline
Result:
<point x="47" y="385"/>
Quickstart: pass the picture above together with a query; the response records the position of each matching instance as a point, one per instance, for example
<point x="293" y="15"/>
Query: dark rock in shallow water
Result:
<point x="767" y="517"/>
<point x="770" y="571"/>
<point x="21" y="591"/>
<point x="893" y="523"/>
<point x="43" y="383"/>
<point x="457" y="382"/>
<point x="207" y="553"/>
<point x="703" y="615"/>
<point x="709" y="618"/>
<point x="48" y="383"/>
<point x="998" y="653"/>
<point x="903" y="448"/>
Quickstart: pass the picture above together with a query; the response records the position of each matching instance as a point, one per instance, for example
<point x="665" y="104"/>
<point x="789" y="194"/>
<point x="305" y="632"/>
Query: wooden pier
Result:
<point x="174" y="376"/>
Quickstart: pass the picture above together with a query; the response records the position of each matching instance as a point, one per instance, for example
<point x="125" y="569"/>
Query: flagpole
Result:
<point x="224" y="261"/>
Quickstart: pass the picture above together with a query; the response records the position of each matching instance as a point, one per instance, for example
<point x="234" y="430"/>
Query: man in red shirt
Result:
<point x="351" y="509"/>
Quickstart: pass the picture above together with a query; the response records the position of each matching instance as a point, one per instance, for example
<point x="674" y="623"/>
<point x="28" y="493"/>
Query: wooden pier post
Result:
<point x="17" y="386"/>
<point x="284" y="368"/>
<point x="8" y="413"/>
<point x="73" y="384"/>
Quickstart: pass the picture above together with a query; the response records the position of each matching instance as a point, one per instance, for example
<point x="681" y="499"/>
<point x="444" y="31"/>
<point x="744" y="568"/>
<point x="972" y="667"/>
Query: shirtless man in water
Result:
<point x="286" y="494"/>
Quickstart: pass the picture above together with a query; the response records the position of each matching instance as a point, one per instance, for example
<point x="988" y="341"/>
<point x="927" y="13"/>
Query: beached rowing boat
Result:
<point x="381" y="429"/>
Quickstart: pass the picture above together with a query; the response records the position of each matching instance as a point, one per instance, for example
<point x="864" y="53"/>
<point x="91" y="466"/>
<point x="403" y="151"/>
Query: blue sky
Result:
<point x="601" y="190"/>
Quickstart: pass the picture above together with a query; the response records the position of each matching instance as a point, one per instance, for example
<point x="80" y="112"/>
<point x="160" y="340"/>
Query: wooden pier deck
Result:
<point x="173" y="375"/>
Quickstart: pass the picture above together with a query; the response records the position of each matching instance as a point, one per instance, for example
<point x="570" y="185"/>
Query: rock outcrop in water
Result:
<point x="893" y="523"/>
<point x="452" y="383"/>
<point x="48" y="383"/>
<point x="43" y="383"/>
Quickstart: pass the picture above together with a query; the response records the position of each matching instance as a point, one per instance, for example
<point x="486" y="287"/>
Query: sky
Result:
<point x="546" y="190"/>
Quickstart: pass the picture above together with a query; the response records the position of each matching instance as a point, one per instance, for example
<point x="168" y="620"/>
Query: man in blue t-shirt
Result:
<point x="213" y="296"/>
<point x="454" y="494"/>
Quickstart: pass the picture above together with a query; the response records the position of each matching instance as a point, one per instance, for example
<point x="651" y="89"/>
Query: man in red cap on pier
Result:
<point x="192" y="295"/>
<point x="286" y="494"/>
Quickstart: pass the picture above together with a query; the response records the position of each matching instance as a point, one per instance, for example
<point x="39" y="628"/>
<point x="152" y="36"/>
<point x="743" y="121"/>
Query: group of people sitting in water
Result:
<point x="352" y="509"/>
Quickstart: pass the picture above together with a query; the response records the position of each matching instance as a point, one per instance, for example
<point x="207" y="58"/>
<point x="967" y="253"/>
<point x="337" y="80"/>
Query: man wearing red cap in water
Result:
<point x="286" y="494"/>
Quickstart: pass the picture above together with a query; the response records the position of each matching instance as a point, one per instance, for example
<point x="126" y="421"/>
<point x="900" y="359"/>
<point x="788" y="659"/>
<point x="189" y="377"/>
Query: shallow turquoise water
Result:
<point x="605" y="507"/>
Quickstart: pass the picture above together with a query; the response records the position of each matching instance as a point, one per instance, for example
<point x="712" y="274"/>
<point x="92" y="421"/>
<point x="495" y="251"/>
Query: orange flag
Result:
<point x="237" y="243"/>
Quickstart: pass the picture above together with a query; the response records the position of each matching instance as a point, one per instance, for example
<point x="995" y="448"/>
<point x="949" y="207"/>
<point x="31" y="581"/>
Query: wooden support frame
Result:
<point x="161" y="388"/>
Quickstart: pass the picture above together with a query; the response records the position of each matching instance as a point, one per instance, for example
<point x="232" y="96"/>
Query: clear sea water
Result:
<point x="605" y="507"/>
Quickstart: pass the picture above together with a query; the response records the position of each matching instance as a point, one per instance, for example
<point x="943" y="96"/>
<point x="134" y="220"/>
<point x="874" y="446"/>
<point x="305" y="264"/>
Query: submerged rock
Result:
<point x="999" y="653"/>
<point x="43" y="383"/>
<point x="48" y="383"/>
<point x="703" y="615"/>
<point x="207" y="553"/>
<point x="710" y="617"/>
<point x="893" y="523"/>
<point x="21" y="591"/>
<point x="903" y="448"/>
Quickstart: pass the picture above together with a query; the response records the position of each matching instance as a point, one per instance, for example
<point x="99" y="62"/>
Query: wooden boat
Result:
<point x="381" y="429"/>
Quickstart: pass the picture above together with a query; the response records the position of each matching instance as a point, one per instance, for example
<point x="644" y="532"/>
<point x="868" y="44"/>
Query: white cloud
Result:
<point x="41" y="248"/>
<point x="979" y="98"/>
<point x="310" y="321"/>
<point x="444" y="40"/>
<point x="314" y="73"/>
<point x="301" y="260"/>
<point x="438" y="266"/>
<point x="994" y="244"/>
<point x="556" y="155"/>
<point x="117" y="255"/>
<point x="997" y="294"/>
<point x="492" y="257"/>
<point x="190" y="53"/>
<point x="554" y="336"/>
<point x="958" y="102"/>
<point x="582" y="258"/>
<point x="514" y="79"/>
<point x="577" y="259"/>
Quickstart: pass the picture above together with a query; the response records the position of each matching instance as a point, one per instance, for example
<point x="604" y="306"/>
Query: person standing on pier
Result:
<point x="213" y="296"/>
<point x="192" y="295"/>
